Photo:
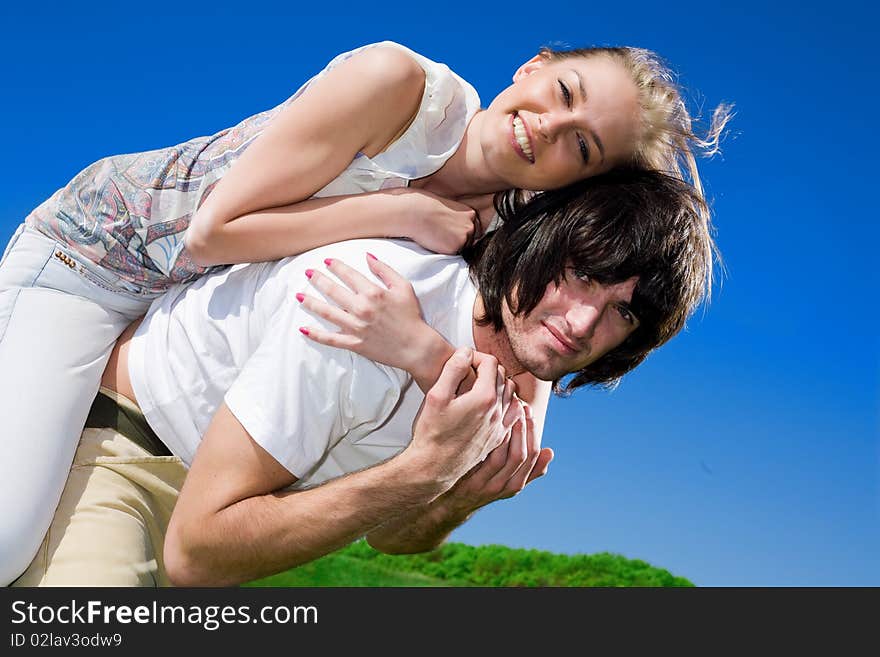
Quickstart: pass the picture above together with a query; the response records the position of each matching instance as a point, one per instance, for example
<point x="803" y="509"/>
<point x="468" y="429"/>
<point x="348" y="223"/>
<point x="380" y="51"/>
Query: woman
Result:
<point x="382" y="142"/>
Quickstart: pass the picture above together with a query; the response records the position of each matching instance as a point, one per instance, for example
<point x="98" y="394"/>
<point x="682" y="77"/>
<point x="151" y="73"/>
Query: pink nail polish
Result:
<point x="300" y="296"/>
<point x="370" y="255"/>
<point x="328" y="261"/>
<point x="304" y="331"/>
<point x="309" y="273"/>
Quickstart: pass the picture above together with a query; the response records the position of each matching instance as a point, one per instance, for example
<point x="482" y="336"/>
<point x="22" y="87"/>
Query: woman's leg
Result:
<point x="54" y="344"/>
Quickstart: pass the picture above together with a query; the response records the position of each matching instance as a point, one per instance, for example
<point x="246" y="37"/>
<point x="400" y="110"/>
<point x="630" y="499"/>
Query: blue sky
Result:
<point x="743" y="453"/>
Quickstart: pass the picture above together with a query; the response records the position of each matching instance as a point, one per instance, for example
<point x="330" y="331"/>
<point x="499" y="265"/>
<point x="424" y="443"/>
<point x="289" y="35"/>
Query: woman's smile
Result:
<point x="522" y="139"/>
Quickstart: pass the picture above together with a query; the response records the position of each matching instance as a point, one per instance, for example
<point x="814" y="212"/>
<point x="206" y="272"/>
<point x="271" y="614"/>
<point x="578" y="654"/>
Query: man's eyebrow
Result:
<point x="583" y="91"/>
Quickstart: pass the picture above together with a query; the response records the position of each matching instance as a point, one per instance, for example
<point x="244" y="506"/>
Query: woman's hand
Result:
<point x="440" y="224"/>
<point x="383" y="324"/>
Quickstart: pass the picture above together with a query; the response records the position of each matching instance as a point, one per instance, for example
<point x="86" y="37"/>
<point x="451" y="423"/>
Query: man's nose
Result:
<point x="583" y="319"/>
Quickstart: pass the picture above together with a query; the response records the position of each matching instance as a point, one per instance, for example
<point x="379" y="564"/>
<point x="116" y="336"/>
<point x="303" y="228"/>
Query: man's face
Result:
<point x="573" y="325"/>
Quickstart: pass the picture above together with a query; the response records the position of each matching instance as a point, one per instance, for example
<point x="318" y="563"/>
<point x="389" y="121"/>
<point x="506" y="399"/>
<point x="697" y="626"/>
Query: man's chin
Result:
<point x="546" y="364"/>
<point x="546" y="371"/>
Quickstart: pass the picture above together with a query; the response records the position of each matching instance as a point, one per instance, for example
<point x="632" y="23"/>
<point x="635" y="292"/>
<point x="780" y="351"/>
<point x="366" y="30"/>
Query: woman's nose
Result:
<point x="552" y="124"/>
<point x="548" y="126"/>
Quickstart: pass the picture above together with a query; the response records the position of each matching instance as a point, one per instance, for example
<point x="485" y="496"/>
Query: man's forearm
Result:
<point x="263" y="535"/>
<point x="419" y="529"/>
<point x="228" y="527"/>
<point x="502" y="474"/>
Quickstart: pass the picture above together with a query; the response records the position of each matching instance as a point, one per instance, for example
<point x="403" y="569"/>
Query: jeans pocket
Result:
<point x="90" y="274"/>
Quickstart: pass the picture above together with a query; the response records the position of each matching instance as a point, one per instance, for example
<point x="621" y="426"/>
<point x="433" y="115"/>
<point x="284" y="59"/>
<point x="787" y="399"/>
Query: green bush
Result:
<point x="457" y="564"/>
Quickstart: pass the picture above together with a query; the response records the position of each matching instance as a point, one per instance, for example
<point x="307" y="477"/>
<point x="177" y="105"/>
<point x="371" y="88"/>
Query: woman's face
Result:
<point x="560" y="121"/>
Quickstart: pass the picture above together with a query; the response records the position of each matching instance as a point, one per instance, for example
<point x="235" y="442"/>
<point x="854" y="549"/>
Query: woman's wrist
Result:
<point x="397" y="212"/>
<point x="430" y="351"/>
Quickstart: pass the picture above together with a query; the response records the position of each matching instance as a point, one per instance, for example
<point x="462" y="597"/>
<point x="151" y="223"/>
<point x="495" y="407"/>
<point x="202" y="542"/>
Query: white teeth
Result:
<point x="519" y="131"/>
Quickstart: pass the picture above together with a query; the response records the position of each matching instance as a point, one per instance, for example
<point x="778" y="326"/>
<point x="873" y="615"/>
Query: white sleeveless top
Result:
<point x="129" y="213"/>
<point x="448" y="104"/>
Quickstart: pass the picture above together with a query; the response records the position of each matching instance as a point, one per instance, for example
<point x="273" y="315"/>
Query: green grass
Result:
<point x="341" y="570"/>
<point x="457" y="564"/>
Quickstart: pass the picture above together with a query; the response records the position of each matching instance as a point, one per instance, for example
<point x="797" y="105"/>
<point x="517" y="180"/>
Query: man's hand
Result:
<point x="517" y="461"/>
<point x="505" y="472"/>
<point x="454" y="432"/>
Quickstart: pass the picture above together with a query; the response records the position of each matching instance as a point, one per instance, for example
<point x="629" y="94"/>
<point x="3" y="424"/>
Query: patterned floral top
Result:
<point x="129" y="213"/>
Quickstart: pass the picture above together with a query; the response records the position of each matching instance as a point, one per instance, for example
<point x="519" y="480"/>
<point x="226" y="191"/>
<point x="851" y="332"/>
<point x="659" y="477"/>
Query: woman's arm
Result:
<point x="438" y="224"/>
<point x="360" y="106"/>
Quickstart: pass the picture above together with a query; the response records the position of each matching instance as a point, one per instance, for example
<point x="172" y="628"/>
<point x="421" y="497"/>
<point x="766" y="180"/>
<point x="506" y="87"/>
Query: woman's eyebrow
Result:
<point x="580" y="84"/>
<point x="583" y="92"/>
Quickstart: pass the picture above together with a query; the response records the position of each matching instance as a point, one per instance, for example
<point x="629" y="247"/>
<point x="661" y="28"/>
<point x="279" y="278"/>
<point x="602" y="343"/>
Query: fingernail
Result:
<point x="304" y="331"/>
<point x="370" y="255"/>
<point x="309" y="273"/>
<point x="328" y="261"/>
<point x="300" y="296"/>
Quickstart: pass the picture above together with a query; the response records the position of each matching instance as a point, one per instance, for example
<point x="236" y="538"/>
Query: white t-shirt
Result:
<point x="234" y="336"/>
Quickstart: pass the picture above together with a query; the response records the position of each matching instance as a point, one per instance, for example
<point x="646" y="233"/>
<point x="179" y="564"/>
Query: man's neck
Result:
<point x="465" y="172"/>
<point x="490" y="341"/>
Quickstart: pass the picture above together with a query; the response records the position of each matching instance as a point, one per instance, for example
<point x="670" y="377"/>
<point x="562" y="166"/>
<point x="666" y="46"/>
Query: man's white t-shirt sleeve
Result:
<point x="297" y="398"/>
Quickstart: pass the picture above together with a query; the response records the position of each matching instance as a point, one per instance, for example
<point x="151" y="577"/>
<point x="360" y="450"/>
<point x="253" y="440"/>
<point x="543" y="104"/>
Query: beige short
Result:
<point x="110" y="525"/>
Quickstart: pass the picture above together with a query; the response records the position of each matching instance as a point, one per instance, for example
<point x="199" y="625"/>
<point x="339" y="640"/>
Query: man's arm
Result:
<point x="379" y="323"/>
<point x="233" y="524"/>
<point x="504" y="473"/>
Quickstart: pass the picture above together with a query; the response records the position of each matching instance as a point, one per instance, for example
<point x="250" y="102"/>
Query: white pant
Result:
<point x="60" y="316"/>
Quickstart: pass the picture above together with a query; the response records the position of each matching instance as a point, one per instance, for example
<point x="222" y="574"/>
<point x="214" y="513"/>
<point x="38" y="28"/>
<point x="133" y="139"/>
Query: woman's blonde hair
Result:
<point x="668" y="141"/>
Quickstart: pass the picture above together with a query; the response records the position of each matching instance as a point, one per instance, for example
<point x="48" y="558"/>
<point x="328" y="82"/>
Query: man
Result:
<point x="296" y="449"/>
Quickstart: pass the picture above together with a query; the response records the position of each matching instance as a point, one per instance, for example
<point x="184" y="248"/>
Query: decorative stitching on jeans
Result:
<point x="94" y="280"/>
<point x="41" y="270"/>
<point x="92" y="277"/>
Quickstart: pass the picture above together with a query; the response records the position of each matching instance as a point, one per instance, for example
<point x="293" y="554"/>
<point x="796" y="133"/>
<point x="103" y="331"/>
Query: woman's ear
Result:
<point x="529" y="67"/>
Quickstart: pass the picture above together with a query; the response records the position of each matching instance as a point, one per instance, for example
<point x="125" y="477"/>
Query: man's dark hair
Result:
<point x="610" y="227"/>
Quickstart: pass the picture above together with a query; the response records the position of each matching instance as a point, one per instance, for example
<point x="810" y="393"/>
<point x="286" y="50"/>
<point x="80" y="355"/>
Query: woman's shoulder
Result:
<point x="400" y="58"/>
<point x="391" y="62"/>
<point x="448" y="104"/>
